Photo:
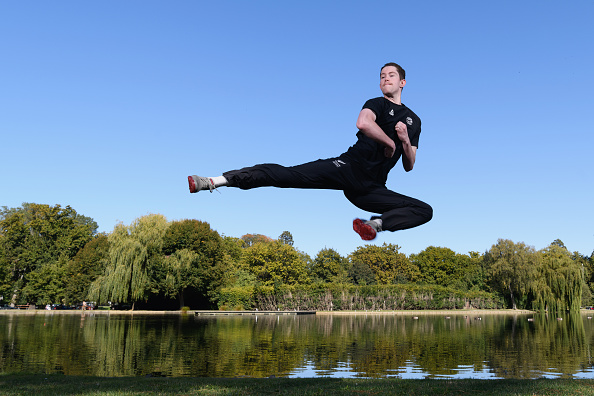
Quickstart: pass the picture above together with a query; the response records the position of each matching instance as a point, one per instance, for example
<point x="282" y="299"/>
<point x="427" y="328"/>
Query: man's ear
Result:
<point x="402" y="83"/>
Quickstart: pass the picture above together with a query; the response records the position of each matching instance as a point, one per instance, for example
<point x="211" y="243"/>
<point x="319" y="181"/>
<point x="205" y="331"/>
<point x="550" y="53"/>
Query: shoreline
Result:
<point x="465" y="312"/>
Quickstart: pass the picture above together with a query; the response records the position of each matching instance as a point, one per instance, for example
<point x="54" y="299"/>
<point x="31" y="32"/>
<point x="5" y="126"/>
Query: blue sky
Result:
<point x="108" y="106"/>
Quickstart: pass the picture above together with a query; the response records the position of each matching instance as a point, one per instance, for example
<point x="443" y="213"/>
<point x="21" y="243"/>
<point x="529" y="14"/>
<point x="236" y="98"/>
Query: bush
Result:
<point x="239" y="298"/>
<point x="374" y="297"/>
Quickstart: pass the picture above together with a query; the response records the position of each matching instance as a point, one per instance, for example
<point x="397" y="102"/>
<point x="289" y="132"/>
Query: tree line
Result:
<point x="52" y="254"/>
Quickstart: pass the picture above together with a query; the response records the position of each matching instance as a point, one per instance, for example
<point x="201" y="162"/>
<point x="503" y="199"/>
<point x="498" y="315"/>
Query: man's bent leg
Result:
<point x="398" y="212"/>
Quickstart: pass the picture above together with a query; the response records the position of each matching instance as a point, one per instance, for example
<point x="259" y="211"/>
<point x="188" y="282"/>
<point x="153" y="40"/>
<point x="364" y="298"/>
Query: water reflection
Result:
<point x="376" y="346"/>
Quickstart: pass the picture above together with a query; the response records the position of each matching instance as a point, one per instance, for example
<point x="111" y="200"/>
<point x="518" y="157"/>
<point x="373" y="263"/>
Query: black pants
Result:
<point x="398" y="212"/>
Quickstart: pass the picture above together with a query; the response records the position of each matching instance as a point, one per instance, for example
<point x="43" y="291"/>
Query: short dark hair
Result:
<point x="399" y="68"/>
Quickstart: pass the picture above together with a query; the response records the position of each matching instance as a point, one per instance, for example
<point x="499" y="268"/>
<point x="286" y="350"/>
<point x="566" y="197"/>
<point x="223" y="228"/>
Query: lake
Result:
<point x="448" y="345"/>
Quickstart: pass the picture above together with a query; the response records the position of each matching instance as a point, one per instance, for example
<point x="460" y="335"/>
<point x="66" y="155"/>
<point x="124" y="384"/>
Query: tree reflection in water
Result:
<point x="363" y="345"/>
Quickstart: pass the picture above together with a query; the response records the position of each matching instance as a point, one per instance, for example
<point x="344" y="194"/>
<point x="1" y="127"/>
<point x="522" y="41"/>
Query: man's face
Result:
<point x="390" y="82"/>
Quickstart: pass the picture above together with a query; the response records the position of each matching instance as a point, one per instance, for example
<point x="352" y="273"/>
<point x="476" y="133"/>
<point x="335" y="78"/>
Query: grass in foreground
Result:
<point x="39" y="384"/>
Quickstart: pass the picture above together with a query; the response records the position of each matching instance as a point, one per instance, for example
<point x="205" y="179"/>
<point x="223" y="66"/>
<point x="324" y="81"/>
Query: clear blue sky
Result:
<point x="108" y="106"/>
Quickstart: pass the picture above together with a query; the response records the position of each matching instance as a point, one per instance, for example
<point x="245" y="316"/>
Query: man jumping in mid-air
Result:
<point x="388" y="130"/>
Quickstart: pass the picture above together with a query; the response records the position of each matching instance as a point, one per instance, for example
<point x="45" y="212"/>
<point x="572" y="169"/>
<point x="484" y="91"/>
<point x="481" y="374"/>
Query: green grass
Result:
<point x="40" y="384"/>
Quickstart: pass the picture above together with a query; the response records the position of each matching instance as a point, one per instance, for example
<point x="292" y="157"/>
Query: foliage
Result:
<point x="583" y="262"/>
<point x="442" y="266"/>
<point x="329" y="266"/>
<point x="251" y="239"/>
<point x="371" y="297"/>
<point x="548" y="280"/>
<point x="236" y="298"/>
<point x="287" y="238"/>
<point x="560" y="281"/>
<point x="275" y="263"/>
<point x="45" y="285"/>
<point x="388" y="265"/>
<point x="360" y="273"/>
<point x="133" y="251"/>
<point x="513" y="270"/>
<point x="183" y="270"/>
<point x="50" y="254"/>
<point x="195" y="258"/>
<point x="88" y="264"/>
<point x="37" y="236"/>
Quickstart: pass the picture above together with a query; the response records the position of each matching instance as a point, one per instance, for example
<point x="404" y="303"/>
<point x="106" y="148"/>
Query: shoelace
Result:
<point x="210" y="184"/>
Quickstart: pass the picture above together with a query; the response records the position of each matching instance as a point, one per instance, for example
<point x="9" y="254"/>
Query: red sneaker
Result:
<point x="365" y="231"/>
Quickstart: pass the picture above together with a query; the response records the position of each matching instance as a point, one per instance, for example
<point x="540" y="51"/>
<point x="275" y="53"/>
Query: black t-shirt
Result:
<point x="368" y="153"/>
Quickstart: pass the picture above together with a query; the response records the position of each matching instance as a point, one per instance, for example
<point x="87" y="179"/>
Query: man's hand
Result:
<point x="409" y="152"/>
<point x="402" y="132"/>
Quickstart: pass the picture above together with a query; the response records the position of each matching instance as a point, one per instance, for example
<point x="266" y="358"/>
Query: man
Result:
<point x="388" y="130"/>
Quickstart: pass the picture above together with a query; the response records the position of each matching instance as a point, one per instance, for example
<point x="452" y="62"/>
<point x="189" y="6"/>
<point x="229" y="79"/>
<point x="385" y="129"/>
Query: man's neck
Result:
<point x="394" y="99"/>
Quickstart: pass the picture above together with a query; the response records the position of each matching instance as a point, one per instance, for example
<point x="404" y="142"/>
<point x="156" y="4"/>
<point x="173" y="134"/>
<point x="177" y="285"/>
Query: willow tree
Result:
<point x="513" y="269"/>
<point x="183" y="271"/>
<point x="560" y="282"/>
<point x="133" y="250"/>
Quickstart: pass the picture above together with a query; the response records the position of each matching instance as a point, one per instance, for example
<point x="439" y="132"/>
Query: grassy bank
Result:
<point x="40" y="384"/>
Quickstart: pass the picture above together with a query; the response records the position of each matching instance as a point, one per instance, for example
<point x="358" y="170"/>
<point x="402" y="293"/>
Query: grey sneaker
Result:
<point x="198" y="183"/>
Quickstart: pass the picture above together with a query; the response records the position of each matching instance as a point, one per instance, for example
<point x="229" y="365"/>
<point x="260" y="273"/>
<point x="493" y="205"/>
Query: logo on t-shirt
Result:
<point x="409" y="120"/>
<point x="391" y="112"/>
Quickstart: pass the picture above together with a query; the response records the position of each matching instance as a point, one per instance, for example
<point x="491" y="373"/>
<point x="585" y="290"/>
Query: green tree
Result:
<point x="286" y="237"/>
<point x="583" y="263"/>
<point x="45" y="285"/>
<point x="233" y="249"/>
<point x="36" y="236"/>
<point x="5" y="275"/>
<point x="275" y="263"/>
<point x="443" y="266"/>
<point x="88" y="264"/>
<point x="560" y="282"/>
<point x="513" y="270"/>
<point x="476" y="275"/>
<point x="133" y="252"/>
<point x="195" y="259"/>
<point x="558" y="243"/>
<point x="182" y="272"/>
<point x="387" y="263"/>
<point x="252" y="239"/>
<point x="329" y="266"/>
<point x="361" y="274"/>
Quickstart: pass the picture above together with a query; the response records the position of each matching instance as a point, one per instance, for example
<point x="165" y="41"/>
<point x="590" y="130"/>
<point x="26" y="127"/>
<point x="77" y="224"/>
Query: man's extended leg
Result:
<point x="333" y="174"/>
<point x="397" y="211"/>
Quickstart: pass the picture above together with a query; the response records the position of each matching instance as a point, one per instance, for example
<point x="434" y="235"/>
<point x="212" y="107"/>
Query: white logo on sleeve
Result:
<point x="409" y="120"/>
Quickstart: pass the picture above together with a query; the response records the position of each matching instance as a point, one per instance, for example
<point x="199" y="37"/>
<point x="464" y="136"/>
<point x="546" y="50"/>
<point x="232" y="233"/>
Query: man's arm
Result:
<point x="366" y="124"/>
<point x="409" y="152"/>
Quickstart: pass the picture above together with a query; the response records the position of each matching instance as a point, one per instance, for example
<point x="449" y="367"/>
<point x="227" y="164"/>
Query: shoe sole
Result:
<point x="192" y="184"/>
<point x="366" y="232"/>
